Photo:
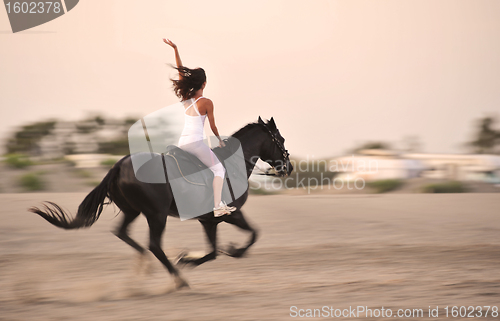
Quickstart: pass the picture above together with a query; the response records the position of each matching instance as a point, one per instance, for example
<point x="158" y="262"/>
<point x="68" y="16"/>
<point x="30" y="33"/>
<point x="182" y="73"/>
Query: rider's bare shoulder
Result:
<point x="204" y="105"/>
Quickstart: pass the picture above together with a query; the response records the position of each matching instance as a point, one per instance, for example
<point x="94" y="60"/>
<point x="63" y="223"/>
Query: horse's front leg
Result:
<point x="210" y="227"/>
<point x="236" y="218"/>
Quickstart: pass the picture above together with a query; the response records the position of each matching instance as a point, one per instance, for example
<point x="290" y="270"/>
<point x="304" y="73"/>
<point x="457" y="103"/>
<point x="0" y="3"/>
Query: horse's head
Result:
<point x="273" y="150"/>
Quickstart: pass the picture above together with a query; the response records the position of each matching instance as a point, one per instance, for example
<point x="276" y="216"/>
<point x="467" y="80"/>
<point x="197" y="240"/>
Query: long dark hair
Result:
<point x="191" y="81"/>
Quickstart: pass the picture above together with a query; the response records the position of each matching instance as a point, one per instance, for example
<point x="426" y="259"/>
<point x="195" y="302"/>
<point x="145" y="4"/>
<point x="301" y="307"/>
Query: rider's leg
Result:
<point x="217" y="185"/>
<point x="219" y="172"/>
<point x="220" y="207"/>
<point x="207" y="156"/>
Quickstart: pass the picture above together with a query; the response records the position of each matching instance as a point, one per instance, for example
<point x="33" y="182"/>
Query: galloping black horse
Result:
<point x="156" y="201"/>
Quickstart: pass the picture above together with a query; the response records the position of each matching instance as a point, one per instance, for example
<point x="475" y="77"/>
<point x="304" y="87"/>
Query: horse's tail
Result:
<point x="88" y="211"/>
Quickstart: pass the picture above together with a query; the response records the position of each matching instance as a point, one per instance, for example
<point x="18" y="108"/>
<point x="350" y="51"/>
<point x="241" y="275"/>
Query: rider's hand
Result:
<point x="221" y="143"/>
<point x="170" y="43"/>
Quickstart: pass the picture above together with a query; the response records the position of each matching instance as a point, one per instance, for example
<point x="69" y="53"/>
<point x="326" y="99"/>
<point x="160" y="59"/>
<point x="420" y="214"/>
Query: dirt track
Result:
<point x="396" y="251"/>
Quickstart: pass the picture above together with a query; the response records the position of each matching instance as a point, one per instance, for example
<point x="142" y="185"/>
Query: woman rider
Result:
<point x="189" y="88"/>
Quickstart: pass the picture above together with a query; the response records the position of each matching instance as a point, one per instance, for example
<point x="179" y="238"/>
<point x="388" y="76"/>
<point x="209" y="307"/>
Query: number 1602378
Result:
<point x="33" y="7"/>
<point x="472" y="311"/>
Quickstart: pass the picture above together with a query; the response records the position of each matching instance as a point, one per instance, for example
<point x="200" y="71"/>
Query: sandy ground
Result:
<point x="397" y="251"/>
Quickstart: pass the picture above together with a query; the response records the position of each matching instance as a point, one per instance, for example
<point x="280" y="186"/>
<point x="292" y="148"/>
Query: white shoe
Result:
<point x="220" y="211"/>
<point x="229" y="208"/>
<point x="223" y="209"/>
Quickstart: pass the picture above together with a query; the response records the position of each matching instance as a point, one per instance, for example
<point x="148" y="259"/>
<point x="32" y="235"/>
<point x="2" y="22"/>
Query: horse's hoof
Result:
<point x="238" y="253"/>
<point x="179" y="259"/>
<point x="232" y="251"/>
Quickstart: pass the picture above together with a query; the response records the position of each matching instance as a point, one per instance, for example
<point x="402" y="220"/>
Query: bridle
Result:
<point x="282" y="148"/>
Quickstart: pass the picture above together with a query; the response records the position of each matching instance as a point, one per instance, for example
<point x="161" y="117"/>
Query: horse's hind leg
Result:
<point x="237" y="219"/>
<point x="122" y="231"/>
<point x="157" y="224"/>
<point x="143" y="264"/>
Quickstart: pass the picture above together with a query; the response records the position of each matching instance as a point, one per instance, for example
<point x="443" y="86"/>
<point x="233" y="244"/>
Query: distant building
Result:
<point x="66" y="138"/>
<point x="468" y="167"/>
<point x="378" y="164"/>
<point x="375" y="164"/>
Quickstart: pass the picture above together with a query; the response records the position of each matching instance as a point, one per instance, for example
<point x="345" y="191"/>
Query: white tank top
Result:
<point x="193" y="125"/>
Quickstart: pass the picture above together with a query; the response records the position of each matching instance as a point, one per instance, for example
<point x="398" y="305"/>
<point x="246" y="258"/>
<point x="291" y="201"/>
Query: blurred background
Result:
<point x="381" y="103"/>
<point x="392" y="81"/>
<point x="55" y="155"/>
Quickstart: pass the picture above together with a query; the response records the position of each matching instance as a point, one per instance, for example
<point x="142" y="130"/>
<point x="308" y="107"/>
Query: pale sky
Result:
<point x="332" y="73"/>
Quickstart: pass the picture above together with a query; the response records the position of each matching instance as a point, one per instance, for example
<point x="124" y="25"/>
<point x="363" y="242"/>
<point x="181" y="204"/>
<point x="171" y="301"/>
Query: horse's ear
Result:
<point x="261" y="121"/>
<point x="272" y="124"/>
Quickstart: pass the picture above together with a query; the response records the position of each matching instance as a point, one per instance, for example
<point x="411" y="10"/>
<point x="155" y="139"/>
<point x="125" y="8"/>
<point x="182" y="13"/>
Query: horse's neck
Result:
<point x="251" y="145"/>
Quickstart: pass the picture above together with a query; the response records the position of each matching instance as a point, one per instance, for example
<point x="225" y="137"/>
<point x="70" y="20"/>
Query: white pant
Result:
<point x="195" y="146"/>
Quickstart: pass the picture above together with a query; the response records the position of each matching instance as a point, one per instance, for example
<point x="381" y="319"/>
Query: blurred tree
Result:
<point x="99" y="120"/>
<point x="90" y="124"/>
<point x="26" y="139"/>
<point x="29" y="138"/>
<point x="411" y="144"/>
<point x="487" y="138"/>
<point x="370" y="145"/>
<point x="114" y="147"/>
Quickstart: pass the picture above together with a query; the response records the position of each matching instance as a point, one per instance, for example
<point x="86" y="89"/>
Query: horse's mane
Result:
<point x="245" y="129"/>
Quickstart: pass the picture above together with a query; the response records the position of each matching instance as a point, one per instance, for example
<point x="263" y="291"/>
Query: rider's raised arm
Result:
<point x="210" y="113"/>
<point x="178" y="61"/>
<point x="177" y="56"/>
